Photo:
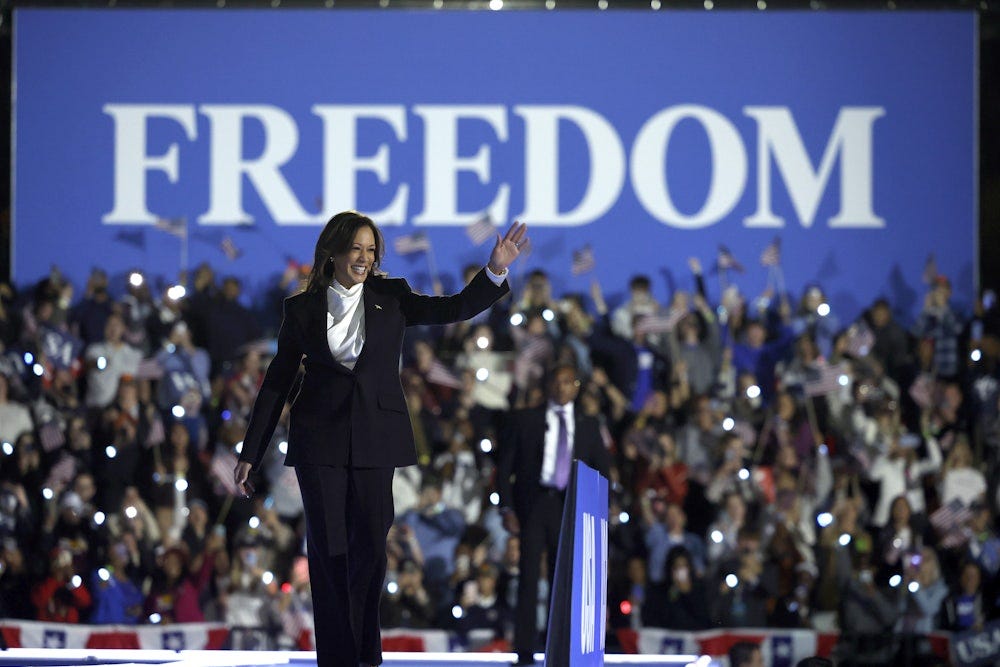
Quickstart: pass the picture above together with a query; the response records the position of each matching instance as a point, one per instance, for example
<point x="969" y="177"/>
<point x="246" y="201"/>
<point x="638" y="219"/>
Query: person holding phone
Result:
<point x="349" y="426"/>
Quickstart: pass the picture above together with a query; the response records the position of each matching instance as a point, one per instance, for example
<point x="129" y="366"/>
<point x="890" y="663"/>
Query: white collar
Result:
<point x="346" y="292"/>
<point x="567" y="409"/>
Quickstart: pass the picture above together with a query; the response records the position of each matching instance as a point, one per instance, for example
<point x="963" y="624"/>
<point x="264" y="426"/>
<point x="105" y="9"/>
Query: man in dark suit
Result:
<point x="349" y="426"/>
<point x="537" y="447"/>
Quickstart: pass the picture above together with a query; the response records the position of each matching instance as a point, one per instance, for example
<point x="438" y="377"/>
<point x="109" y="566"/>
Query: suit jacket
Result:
<point x="522" y="447"/>
<point x="342" y="416"/>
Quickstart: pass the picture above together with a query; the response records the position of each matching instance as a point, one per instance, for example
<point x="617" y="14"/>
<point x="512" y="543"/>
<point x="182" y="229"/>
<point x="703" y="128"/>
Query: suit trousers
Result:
<point x="348" y="515"/>
<point x="539" y="532"/>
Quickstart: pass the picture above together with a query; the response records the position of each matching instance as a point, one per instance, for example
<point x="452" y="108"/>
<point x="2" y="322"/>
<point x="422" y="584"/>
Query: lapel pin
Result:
<point x="378" y="307"/>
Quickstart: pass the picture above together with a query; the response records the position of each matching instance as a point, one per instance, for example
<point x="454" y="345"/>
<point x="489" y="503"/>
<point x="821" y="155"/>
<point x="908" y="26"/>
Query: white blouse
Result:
<point x="345" y="322"/>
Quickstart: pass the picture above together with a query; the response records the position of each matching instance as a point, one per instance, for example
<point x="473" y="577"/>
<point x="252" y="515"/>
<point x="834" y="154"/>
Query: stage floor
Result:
<point x="23" y="657"/>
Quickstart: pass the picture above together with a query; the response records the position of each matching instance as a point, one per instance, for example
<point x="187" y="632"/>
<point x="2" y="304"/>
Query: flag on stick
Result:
<point x="63" y="472"/>
<point x="583" y="261"/>
<point x="409" y="244"/>
<point x="726" y="260"/>
<point x="772" y="253"/>
<point x="51" y="435"/>
<point x="481" y="231"/>
<point x="173" y="226"/>
<point x="660" y="322"/>
<point x="440" y="374"/>
<point x="229" y="248"/>
<point x="825" y="380"/>
<point x="860" y="340"/>
<point x="535" y="348"/>
<point x="949" y="522"/>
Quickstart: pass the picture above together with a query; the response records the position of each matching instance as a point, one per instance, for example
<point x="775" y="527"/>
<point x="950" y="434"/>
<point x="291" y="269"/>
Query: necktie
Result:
<point x="561" y="476"/>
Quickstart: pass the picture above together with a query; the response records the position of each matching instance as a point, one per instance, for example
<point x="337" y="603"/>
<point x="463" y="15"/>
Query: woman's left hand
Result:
<point x="508" y="248"/>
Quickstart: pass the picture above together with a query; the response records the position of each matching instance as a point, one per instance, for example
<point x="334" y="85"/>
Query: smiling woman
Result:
<point x="349" y="426"/>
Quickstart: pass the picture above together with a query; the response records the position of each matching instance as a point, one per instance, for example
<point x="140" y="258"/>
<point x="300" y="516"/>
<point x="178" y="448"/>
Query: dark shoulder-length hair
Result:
<point x="336" y="239"/>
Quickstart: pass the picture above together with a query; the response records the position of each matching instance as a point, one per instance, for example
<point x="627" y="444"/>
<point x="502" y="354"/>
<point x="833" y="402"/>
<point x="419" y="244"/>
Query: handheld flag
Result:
<point x="583" y="261"/>
<point x="772" y="253"/>
<point x="409" y="244"/>
<point x="480" y="231"/>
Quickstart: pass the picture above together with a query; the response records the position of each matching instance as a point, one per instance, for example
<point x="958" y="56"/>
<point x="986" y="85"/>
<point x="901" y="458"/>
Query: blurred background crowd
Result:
<point x="774" y="464"/>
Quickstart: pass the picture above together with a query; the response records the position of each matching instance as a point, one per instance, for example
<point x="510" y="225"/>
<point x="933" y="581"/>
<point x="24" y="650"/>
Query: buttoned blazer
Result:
<point x="358" y="417"/>
<point x="522" y="447"/>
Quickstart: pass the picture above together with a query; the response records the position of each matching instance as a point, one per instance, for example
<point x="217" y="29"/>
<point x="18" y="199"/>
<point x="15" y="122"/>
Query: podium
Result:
<point x="578" y="612"/>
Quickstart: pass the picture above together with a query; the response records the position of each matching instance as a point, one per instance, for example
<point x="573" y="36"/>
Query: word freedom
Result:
<point x="778" y="141"/>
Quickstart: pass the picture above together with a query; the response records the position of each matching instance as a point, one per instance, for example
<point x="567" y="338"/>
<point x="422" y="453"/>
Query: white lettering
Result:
<point x="228" y="166"/>
<point x="603" y="608"/>
<point x="587" y="611"/>
<point x="780" y="149"/>
<point x="541" y="165"/>
<point x="649" y="166"/>
<point x="132" y="161"/>
<point x="341" y="162"/>
<point x="442" y="163"/>
<point x="851" y="139"/>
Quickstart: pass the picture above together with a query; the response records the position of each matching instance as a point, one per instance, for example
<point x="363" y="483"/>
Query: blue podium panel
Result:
<point x="578" y="614"/>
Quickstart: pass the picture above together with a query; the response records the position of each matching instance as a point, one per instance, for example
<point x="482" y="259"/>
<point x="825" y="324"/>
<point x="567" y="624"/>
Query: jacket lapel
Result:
<point x="316" y="318"/>
<point x="373" y="308"/>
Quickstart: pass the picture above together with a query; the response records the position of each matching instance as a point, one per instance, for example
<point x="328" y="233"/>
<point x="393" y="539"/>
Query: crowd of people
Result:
<point x="772" y="464"/>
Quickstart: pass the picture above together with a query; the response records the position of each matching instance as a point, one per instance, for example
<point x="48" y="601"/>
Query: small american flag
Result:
<point x="294" y="625"/>
<point x="62" y="472"/>
<point x="149" y="369"/>
<point x="440" y="374"/>
<point x="173" y="226"/>
<point x="407" y="244"/>
<point x="930" y="270"/>
<point x="922" y="390"/>
<point x="157" y="435"/>
<point x="51" y="436"/>
<point x="860" y="339"/>
<point x="660" y="322"/>
<point x="481" y="231"/>
<point x="949" y="521"/>
<point x="726" y="260"/>
<point x="229" y="248"/>
<point x="824" y="380"/>
<point x="772" y="253"/>
<point x="535" y="348"/>
<point x="222" y="466"/>
<point x="583" y="261"/>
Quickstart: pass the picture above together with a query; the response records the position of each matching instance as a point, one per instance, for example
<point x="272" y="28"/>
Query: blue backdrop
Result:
<point x="651" y="136"/>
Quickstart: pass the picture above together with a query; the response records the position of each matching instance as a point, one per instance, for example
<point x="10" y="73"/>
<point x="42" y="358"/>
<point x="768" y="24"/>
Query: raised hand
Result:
<point x="508" y="248"/>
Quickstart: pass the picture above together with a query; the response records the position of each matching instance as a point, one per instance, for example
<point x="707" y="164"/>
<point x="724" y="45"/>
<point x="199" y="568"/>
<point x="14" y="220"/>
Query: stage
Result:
<point x="122" y="658"/>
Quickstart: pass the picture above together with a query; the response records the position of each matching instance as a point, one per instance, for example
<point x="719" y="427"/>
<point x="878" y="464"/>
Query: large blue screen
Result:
<point x="651" y="136"/>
